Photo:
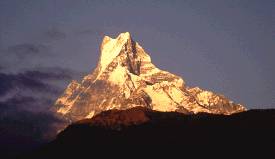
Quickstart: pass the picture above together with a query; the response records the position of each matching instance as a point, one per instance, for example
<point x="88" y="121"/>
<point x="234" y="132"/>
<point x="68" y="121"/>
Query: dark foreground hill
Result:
<point x="142" y="132"/>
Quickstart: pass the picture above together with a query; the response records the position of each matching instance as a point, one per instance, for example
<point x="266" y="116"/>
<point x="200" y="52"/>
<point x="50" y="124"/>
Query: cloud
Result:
<point x="25" y="100"/>
<point x="2" y="68"/>
<point x="29" y="86"/>
<point x="34" y="90"/>
<point x="28" y="89"/>
<point x="60" y="72"/>
<point x="90" y="32"/>
<point x="27" y="49"/>
<point x="25" y="130"/>
<point x="41" y="75"/>
<point x="55" y="34"/>
<point x="24" y="81"/>
<point x="40" y="82"/>
<point x="24" y="56"/>
<point x="19" y="103"/>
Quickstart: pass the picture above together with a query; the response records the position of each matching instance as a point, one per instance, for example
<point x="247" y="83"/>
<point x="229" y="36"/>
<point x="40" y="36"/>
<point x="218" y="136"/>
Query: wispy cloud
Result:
<point x="55" y="34"/>
<point x="25" y="100"/>
<point x="27" y="50"/>
<point x="29" y="85"/>
<point x="90" y="32"/>
<point x="37" y="83"/>
<point x="29" y="80"/>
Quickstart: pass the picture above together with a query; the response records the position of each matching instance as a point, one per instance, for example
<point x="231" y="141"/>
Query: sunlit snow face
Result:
<point x="111" y="48"/>
<point x="125" y="78"/>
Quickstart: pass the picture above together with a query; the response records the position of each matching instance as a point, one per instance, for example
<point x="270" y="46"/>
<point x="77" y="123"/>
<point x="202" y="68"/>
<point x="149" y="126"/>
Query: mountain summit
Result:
<point x="125" y="77"/>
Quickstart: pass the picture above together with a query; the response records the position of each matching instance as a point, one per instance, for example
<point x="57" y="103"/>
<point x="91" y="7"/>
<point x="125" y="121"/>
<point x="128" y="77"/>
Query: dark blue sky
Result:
<point x="220" y="45"/>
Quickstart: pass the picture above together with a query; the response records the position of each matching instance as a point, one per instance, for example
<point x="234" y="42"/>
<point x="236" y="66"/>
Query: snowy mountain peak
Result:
<point x="111" y="48"/>
<point x="125" y="77"/>
<point x="120" y="39"/>
<point x="125" y="36"/>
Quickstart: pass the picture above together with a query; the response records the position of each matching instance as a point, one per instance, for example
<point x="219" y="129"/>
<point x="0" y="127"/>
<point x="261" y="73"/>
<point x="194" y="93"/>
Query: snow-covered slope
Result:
<point x="125" y="77"/>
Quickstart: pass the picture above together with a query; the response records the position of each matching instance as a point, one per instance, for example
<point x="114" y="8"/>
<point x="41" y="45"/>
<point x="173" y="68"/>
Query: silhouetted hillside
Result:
<point x="141" y="131"/>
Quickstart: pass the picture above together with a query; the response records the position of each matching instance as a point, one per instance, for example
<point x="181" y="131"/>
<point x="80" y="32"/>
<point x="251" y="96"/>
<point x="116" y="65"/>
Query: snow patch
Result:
<point x="160" y="100"/>
<point x="90" y="115"/>
<point x="118" y="76"/>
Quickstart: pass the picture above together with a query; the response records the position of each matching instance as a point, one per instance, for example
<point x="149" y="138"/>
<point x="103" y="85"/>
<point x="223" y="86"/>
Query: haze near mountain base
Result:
<point x="125" y="77"/>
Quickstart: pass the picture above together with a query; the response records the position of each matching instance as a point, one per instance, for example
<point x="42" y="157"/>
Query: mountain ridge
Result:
<point x="143" y="131"/>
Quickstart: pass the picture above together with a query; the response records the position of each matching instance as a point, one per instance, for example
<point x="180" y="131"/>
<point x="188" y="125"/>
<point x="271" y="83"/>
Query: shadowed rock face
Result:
<point x="116" y="119"/>
<point x="125" y="77"/>
<point x="142" y="131"/>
